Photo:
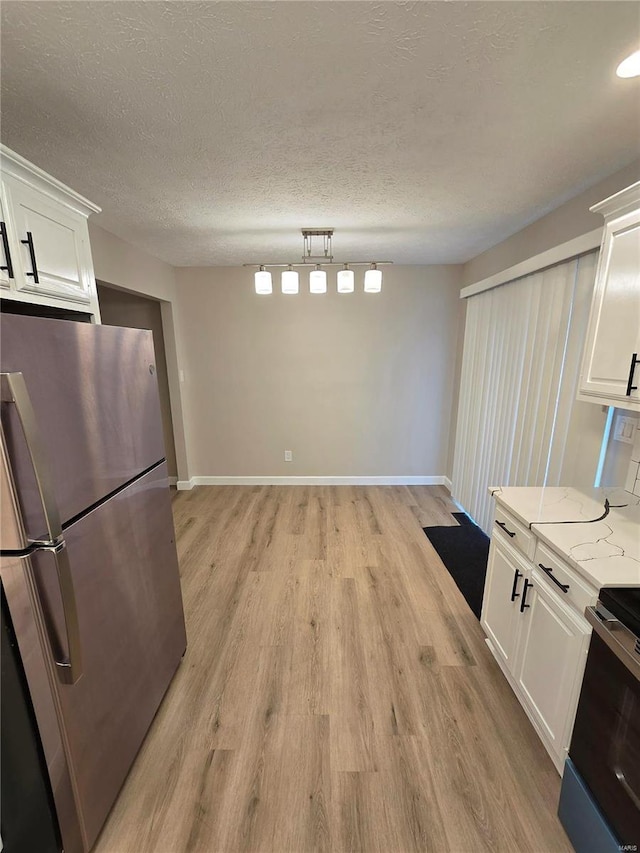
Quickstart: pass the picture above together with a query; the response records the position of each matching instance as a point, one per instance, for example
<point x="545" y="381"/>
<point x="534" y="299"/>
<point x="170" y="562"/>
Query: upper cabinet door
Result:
<point x="7" y="250"/>
<point x="53" y="258"/>
<point x="609" y="369"/>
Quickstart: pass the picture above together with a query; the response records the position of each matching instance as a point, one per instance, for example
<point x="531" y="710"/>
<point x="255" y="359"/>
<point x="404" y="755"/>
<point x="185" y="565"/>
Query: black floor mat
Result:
<point x="464" y="551"/>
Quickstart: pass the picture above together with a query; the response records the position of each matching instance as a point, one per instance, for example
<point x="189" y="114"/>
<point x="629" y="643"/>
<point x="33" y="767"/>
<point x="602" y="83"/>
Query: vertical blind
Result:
<point x="520" y="370"/>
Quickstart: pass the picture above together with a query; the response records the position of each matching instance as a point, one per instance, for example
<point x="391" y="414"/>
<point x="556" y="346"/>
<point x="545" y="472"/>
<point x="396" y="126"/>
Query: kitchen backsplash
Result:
<point x="632" y="483"/>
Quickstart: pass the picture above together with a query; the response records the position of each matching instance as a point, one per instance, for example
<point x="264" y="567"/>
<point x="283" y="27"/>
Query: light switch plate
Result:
<point x="624" y="428"/>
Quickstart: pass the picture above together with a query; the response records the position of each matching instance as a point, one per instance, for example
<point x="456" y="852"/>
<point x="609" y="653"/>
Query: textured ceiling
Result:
<point x="425" y="132"/>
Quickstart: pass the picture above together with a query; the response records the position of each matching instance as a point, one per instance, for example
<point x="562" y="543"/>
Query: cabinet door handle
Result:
<point x="516" y="577"/>
<point x="523" y="605"/>
<point x="549" y="573"/>
<point x="505" y="528"/>
<point x="32" y="254"/>
<point x="7" y="253"/>
<point x="634" y="361"/>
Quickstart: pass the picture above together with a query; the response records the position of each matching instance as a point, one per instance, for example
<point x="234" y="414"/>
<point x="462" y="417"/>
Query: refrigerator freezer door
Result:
<point x="125" y="575"/>
<point x="95" y="397"/>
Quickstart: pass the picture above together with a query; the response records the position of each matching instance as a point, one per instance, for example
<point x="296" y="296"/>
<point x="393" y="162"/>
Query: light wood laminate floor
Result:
<point x="336" y="693"/>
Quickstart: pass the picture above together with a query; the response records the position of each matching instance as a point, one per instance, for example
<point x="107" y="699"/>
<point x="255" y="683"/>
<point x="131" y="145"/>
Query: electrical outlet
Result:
<point x="288" y="456"/>
<point x="624" y="428"/>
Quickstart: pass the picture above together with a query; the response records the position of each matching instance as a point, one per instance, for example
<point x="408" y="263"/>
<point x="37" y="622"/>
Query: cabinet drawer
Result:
<point x="514" y="532"/>
<point x="572" y="589"/>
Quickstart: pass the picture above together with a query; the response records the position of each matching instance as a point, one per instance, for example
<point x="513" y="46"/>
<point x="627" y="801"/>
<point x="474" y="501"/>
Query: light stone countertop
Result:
<point x="606" y="553"/>
<point x="545" y="504"/>
<point x="597" y="531"/>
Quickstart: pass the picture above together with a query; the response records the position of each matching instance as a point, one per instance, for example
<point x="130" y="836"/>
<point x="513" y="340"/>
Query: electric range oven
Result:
<point x="600" y="796"/>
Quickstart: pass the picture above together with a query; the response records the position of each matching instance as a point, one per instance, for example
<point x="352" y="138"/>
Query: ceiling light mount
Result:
<point x="307" y="245"/>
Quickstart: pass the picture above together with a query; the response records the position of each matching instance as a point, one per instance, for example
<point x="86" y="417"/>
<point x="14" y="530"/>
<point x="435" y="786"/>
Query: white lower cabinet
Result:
<point x="539" y="640"/>
<point x="500" y="606"/>
<point x="550" y="663"/>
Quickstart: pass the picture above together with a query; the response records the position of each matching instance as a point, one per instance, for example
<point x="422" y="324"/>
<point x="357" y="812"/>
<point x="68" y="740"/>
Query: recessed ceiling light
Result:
<point x="630" y="67"/>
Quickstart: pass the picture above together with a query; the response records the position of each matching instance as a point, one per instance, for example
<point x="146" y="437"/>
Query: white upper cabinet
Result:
<point x="47" y="238"/>
<point x="611" y="361"/>
<point x="6" y="255"/>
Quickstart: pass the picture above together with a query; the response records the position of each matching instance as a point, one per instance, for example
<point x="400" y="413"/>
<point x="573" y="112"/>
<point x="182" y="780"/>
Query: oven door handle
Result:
<point x="616" y="636"/>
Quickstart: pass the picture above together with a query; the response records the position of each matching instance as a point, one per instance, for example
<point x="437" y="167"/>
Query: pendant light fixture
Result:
<point x="373" y="280"/>
<point x="345" y="280"/>
<point x="630" y="67"/>
<point x="317" y="280"/>
<point x="263" y="281"/>
<point x="290" y="280"/>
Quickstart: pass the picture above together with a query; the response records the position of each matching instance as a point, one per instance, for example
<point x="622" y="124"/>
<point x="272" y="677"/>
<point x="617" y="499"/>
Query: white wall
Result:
<point x="618" y="457"/>
<point x="355" y="385"/>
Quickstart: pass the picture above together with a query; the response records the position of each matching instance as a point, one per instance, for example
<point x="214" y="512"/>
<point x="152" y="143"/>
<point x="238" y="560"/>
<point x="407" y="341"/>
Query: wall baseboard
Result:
<point x="185" y="485"/>
<point x="447" y="483"/>
<point x="172" y="480"/>
<point x="419" y="480"/>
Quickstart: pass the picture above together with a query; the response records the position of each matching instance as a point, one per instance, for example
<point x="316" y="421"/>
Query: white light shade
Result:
<point x="289" y="281"/>
<point x="263" y="282"/>
<point x="317" y="281"/>
<point x="345" y="281"/>
<point x="373" y="281"/>
<point x="630" y="67"/>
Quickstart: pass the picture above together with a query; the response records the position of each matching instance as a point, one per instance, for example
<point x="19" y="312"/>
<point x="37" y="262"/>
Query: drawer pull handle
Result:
<point x="630" y="387"/>
<point x="505" y="528"/>
<point x="32" y="254"/>
<point x="549" y="572"/>
<point x="523" y="604"/>
<point x="516" y="577"/>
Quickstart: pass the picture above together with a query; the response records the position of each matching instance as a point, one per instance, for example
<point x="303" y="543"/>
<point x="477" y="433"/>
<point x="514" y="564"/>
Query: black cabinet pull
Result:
<point x="7" y="253"/>
<point x="516" y="577"/>
<point x="527" y="584"/>
<point x="505" y="528"/>
<point x="32" y="254"/>
<point x="549" y="573"/>
<point x="634" y="361"/>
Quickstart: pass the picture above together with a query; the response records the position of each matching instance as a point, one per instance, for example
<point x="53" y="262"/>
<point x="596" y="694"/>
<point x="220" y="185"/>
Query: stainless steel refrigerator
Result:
<point x="89" y="564"/>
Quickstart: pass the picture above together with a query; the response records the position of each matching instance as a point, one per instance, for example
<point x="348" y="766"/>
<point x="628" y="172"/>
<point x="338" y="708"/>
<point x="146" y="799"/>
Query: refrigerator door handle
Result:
<point x="69" y="668"/>
<point x="13" y="389"/>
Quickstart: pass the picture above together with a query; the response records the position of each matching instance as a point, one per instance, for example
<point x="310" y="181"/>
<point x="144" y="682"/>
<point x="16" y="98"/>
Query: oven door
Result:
<point x="605" y="747"/>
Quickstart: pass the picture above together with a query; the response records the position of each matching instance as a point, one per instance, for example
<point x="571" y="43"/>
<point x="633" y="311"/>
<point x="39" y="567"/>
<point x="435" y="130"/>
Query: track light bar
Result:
<point x="290" y="279"/>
